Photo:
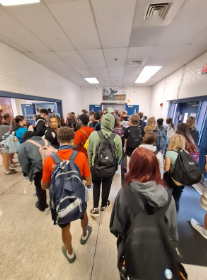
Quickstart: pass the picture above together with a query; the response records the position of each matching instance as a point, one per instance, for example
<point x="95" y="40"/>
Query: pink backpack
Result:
<point x="45" y="151"/>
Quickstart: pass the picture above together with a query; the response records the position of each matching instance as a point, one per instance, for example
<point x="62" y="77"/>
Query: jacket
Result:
<point x="159" y="156"/>
<point x="142" y="124"/>
<point x="30" y="158"/>
<point x="107" y="126"/>
<point x="195" y="135"/>
<point x="40" y="127"/>
<point x="122" y="217"/>
<point x="3" y="129"/>
<point x="51" y="136"/>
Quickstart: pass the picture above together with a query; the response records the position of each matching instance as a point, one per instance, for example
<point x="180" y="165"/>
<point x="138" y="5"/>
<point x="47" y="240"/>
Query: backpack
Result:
<point x="161" y="141"/>
<point x="119" y="131"/>
<point x="45" y="151"/>
<point x="149" y="252"/>
<point x="67" y="191"/>
<point x="9" y="143"/>
<point x="135" y="137"/>
<point x="106" y="161"/>
<point x="187" y="170"/>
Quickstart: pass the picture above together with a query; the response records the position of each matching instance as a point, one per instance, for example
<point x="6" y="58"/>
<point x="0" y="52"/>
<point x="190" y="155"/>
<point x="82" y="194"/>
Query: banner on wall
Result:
<point x="6" y="105"/>
<point x="114" y="94"/>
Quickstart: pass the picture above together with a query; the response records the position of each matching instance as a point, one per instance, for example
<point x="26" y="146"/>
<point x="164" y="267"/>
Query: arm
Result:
<point x="167" y="163"/>
<point x="23" y="159"/>
<point x="45" y="186"/>
<point x="77" y="140"/>
<point x="118" y="148"/>
<point x="75" y="147"/>
<point x="90" y="151"/>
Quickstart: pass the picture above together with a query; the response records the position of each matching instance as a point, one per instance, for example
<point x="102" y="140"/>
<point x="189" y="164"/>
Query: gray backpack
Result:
<point x="106" y="160"/>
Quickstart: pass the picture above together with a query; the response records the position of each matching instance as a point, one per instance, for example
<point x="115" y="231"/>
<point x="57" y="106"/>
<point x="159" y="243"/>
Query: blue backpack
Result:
<point x="67" y="191"/>
<point x="161" y="142"/>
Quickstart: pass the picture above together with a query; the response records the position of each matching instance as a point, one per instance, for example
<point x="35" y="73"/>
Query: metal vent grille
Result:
<point x="160" y="9"/>
<point x="136" y="62"/>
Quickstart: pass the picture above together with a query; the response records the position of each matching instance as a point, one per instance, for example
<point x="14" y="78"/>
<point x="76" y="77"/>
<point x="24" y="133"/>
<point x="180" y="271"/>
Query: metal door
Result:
<point x="132" y="109"/>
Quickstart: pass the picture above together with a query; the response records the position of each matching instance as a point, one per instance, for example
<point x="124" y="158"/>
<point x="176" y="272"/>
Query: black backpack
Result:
<point x="149" y="252"/>
<point x="135" y="137"/>
<point x="106" y="160"/>
<point x="187" y="170"/>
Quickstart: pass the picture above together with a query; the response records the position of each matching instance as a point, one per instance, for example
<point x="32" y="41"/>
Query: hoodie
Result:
<point x="107" y="126"/>
<point x="40" y="127"/>
<point x="122" y="216"/>
<point x="159" y="156"/>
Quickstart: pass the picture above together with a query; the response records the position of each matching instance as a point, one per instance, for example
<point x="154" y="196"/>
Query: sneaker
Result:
<point x="84" y="239"/>
<point x="94" y="212"/>
<point x="103" y="209"/>
<point x="199" y="228"/>
<point x="10" y="172"/>
<point x="12" y="166"/>
<point x="65" y="253"/>
<point x="25" y="179"/>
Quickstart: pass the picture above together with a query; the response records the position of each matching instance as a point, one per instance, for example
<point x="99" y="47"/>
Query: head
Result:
<point x="27" y="135"/>
<point x="18" y="122"/>
<point x="85" y="112"/>
<point x="169" y="121"/>
<point x="177" y="141"/>
<point x="145" y="118"/>
<point x="53" y="122"/>
<point x="100" y="112"/>
<point x="105" y="111"/>
<point x="150" y="121"/>
<point x="98" y="116"/>
<point x="160" y="122"/>
<point x="117" y="121"/>
<point x="1" y="120"/>
<point x="144" y="167"/>
<point x="191" y="123"/>
<point x="44" y="113"/>
<point x="141" y="115"/>
<point x="124" y="113"/>
<point x="7" y="118"/>
<point x="68" y="115"/>
<point x="83" y="120"/>
<point x="65" y="136"/>
<point x="108" y="122"/>
<point x="183" y="130"/>
<point x="150" y="138"/>
<point x="135" y="119"/>
<point x="91" y="116"/>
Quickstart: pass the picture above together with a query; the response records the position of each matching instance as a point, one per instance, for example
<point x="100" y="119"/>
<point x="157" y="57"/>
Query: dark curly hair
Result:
<point x="65" y="134"/>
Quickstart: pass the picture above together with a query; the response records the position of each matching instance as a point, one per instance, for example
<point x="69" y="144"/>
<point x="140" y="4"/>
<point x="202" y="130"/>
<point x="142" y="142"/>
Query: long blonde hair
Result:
<point x="177" y="141"/>
<point x="150" y="126"/>
<point x="191" y="122"/>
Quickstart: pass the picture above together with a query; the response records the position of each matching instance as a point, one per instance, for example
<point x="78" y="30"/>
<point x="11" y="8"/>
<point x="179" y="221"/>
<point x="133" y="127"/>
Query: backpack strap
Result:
<point x="100" y="134"/>
<point x="56" y="158"/>
<point x="112" y="136"/>
<point x="45" y="142"/>
<point x="34" y="143"/>
<point x="73" y="156"/>
<point x="156" y="152"/>
<point x="84" y="132"/>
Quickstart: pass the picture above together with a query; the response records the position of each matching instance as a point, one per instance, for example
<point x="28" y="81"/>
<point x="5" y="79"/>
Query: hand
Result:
<point x="46" y="125"/>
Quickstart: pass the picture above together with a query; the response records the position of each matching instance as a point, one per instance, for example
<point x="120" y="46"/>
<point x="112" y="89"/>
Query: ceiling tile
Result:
<point x="35" y="58"/>
<point x="72" y="58"/>
<point x="116" y="71"/>
<point x="146" y="36"/>
<point x="140" y="52"/>
<point x="114" y="20"/>
<point x="17" y="33"/>
<point x="76" y="19"/>
<point x="100" y="72"/>
<point x="69" y="73"/>
<point x="183" y="28"/>
<point x="85" y="73"/>
<point x="93" y="58"/>
<point x="116" y="82"/>
<point x="132" y="71"/>
<point x="200" y="39"/>
<point x="11" y="44"/>
<point x="80" y="82"/>
<point x="116" y="53"/>
<point x="127" y="81"/>
<point x="161" y="55"/>
<point x="52" y="59"/>
<point x="105" y="82"/>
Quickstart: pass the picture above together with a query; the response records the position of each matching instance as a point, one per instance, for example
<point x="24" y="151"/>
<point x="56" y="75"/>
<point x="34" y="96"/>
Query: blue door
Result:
<point x="28" y="111"/>
<point x="95" y="108"/>
<point x="132" y="109"/>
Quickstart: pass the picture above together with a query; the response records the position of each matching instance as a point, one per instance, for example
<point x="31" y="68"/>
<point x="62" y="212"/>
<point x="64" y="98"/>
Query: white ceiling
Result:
<point x="100" y="38"/>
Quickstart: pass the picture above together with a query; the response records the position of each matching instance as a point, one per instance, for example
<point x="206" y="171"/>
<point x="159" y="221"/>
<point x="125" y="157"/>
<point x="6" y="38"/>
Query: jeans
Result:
<point x="106" y="187"/>
<point x="41" y="194"/>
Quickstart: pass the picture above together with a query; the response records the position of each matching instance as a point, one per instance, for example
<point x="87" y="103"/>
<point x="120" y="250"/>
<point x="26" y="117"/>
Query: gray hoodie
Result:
<point x="122" y="216"/>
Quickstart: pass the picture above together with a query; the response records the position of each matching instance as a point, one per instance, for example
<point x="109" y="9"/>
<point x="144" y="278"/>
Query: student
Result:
<point x="141" y="122"/>
<point x="82" y="134"/>
<point x="85" y="112"/>
<point x="150" y="126"/>
<point x="65" y="137"/>
<point x="118" y="129"/>
<point x="133" y="135"/>
<point x="17" y="125"/>
<point x="149" y="141"/>
<point x="124" y="117"/>
<point x="170" y="128"/>
<point x="177" y="142"/>
<point x="51" y="132"/>
<point x="144" y="181"/>
<point x="145" y="120"/>
<point x="41" y="123"/>
<point x="7" y="119"/>
<point x="96" y="123"/>
<point x="105" y="111"/>
<point x="191" y="123"/>
<point x="31" y="164"/>
<point x="91" y="117"/>
<point x="161" y="132"/>
<point x="107" y="125"/>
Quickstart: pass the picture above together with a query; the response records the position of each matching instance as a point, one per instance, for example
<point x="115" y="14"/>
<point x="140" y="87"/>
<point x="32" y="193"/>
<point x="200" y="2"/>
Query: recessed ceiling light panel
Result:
<point x="17" y="2"/>
<point x="147" y="73"/>
<point x="92" y="80"/>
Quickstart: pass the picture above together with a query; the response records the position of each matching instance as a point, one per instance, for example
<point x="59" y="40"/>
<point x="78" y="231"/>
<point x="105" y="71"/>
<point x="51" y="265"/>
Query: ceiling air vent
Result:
<point x="160" y="10"/>
<point x="136" y="62"/>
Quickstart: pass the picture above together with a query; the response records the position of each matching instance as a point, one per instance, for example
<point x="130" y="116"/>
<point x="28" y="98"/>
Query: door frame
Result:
<point x="33" y="97"/>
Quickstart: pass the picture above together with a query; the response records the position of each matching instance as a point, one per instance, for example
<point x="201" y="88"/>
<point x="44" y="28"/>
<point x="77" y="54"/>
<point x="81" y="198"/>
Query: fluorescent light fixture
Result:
<point x="147" y="73"/>
<point x="17" y="2"/>
<point x="92" y="80"/>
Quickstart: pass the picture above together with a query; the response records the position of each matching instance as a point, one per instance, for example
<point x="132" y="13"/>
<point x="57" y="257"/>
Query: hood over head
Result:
<point x="156" y="195"/>
<point x="108" y="122"/>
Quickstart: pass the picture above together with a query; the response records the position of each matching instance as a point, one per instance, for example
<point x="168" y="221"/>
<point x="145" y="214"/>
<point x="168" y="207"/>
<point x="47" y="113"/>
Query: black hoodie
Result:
<point x="40" y="127"/>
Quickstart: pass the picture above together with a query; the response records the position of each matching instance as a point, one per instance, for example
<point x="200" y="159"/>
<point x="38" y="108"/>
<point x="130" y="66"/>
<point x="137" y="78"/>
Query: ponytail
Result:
<point x="169" y="121"/>
<point x="15" y="123"/>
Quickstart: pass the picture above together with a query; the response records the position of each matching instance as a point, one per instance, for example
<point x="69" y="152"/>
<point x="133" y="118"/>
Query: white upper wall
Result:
<point x="20" y="74"/>
<point x="184" y="83"/>
<point x="137" y="95"/>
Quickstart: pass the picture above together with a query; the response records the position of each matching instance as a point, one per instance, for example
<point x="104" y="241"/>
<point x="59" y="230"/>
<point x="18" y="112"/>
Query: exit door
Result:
<point x="132" y="109"/>
<point x="28" y="111"/>
<point x="95" y="108"/>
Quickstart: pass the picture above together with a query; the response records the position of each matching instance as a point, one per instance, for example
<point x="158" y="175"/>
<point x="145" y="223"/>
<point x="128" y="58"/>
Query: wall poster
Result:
<point x="114" y="94"/>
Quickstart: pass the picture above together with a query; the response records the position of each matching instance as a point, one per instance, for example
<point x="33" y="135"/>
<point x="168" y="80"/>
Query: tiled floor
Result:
<point x="31" y="245"/>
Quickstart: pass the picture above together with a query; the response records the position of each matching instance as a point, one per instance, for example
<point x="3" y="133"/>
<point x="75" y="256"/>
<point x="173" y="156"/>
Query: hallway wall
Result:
<point x="184" y="83"/>
<point x="20" y="74"/>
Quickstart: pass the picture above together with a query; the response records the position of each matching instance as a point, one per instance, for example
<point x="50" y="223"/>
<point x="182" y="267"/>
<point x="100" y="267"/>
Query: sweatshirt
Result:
<point x="107" y="126"/>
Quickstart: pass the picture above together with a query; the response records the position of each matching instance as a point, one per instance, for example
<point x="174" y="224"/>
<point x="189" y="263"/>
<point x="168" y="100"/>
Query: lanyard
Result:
<point x="65" y="147"/>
